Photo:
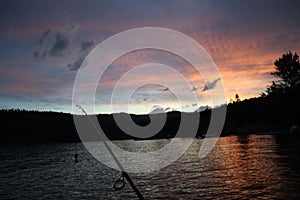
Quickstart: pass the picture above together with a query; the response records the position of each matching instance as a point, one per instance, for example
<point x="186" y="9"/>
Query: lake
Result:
<point x="239" y="167"/>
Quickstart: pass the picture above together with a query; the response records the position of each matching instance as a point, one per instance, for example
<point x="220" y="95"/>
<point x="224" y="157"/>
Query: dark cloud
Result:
<point x="86" y="45"/>
<point x="146" y="98"/>
<point x="157" y="109"/>
<point x="163" y="89"/>
<point x="44" y="37"/>
<point x="211" y="85"/>
<point x="76" y="65"/>
<point x="168" y="108"/>
<point x="43" y="45"/>
<point x="194" y="89"/>
<point x="55" y="42"/>
<point x="38" y="55"/>
<point x="203" y="108"/>
<point x="60" y="45"/>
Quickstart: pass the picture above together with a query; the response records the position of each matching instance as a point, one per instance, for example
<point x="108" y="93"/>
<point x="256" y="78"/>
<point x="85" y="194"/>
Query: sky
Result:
<point x="43" y="44"/>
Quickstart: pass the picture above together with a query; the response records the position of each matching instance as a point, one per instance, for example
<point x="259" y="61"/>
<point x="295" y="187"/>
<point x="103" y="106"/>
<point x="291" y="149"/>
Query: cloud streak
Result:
<point x="86" y="47"/>
<point x="211" y="85"/>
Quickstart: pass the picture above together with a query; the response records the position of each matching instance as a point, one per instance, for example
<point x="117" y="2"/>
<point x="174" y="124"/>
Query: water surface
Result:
<point x="239" y="167"/>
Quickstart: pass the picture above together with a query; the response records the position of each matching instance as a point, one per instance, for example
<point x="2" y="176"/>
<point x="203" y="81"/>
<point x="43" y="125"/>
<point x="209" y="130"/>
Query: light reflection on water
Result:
<point x="239" y="167"/>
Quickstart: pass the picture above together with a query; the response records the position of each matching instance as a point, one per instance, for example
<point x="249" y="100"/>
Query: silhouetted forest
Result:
<point x="21" y="126"/>
<point x="269" y="113"/>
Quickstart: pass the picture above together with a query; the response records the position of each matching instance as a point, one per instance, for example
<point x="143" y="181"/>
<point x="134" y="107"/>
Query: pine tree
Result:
<point x="287" y="70"/>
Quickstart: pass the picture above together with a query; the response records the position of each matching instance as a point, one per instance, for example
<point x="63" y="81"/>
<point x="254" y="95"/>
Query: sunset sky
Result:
<point x="42" y="44"/>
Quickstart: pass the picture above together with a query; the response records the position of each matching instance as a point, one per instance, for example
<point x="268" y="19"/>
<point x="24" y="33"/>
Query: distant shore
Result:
<point x="264" y="115"/>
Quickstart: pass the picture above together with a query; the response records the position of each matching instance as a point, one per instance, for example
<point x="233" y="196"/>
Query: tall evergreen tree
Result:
<point x="287" y="70"/>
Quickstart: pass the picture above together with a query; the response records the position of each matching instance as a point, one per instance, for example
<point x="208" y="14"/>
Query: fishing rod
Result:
<point x="120" y="183"/>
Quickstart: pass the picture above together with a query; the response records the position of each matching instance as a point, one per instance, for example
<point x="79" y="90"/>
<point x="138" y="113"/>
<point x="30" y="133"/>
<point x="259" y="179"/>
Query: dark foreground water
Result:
<point x="239" y="167"/>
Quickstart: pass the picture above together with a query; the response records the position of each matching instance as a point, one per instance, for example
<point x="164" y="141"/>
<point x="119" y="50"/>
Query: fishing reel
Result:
<point x="120" y="183"/>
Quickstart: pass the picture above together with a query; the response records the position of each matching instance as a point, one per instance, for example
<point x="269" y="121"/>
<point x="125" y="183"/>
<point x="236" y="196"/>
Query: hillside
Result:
<point x="271" y="113"/>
